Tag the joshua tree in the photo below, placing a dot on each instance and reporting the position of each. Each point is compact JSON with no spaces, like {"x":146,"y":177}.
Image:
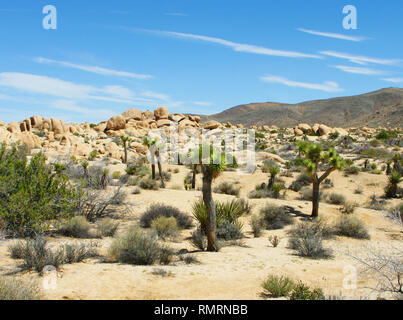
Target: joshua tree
{"x":211,"y":169}
{"x":388,"y":167}
{"x":125,"y":140}
{"x":396,"y":163}
{"x":148,"y":143}
{"x":157,"y":147}
{"x":394,"y":179}
{"x":314,"y":156}
{"x":274,"y":170}
{"x":85,"y":165}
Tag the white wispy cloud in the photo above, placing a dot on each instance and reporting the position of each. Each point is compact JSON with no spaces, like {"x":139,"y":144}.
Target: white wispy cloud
{"x":360,"y":59}
{"x":71,"y":106}
{"x":48,"y":86}
{"x":328,"y":86}
{"x":239,"y":47}
{"x":359,"y":70}
{"x":393,"y":80}
{"x":94,"y":69}
{"x":333,"y":35}
{"x":202,"y":103}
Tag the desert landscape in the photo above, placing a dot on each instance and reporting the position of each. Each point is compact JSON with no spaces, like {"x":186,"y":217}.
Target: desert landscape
{"x":113,"y":231}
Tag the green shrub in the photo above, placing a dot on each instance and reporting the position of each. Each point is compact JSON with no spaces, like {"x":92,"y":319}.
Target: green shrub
{"x":275,"y":286}
{"x":228,"y":231}
{"x":302,"y":180}
{"x":17,"y":290}
{"x":116,"y":175}
{"x":352,"y":170}
{"x":137,"y":170}
{"x":138,"y":248}
{"x":93,"y":155}
{"x":336,"y":198}
{"x":352,"y":227}
{"x":275,"y":217}
{"x":166,"y":227}
{"x":74,"y":253}
{"x":31,"y":194}
{"x":149,"y":184}
{"x":106,"y":227}
{"x":37,"y":255}
{"x":225,"y":211}
{"x":227,"y":188}
{"x":303,"y":292}
{"x":161,"y":210}
{"x":76,"y":227}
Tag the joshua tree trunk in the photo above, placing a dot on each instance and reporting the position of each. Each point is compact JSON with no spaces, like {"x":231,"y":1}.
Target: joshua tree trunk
{"x":315,"y":199}
{"x":271,"y":182}
{"x":210,"y":206}
{"x":194,"y":176}
{"x":388,"y":169}
{"x":125,"y":148}
{"x":152,"y":166}
{"x":160,"y":171}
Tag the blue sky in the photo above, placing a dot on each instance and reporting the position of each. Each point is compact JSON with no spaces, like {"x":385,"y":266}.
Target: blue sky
{"x":199,"y":56}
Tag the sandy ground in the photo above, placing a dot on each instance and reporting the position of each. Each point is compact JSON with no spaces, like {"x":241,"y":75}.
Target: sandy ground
{"x":236,"y":272}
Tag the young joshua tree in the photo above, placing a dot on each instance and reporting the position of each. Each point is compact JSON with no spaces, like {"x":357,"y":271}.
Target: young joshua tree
{"x":148,"y":143}
{"x":394,"y":179}
{"x":125,"y":140}
{"x":313,"y":157}
{"x":212,"y":165}
{"x":274,"y":170}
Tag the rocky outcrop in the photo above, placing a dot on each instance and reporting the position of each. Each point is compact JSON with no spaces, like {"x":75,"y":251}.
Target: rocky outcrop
{"x":161,"y":113}
{"x":116,"y":123}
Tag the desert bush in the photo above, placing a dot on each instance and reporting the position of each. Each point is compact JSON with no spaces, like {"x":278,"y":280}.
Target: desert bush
{"x":137,"y":170}
{"x":16,"y":249}
{"x":352,"y":170}
{"x":96,"y":177}
{"x":307,"y":193}
{"x":257,"y":225}
{"x":335,"y":198}
{"x":352,"y":227}
{"x":37,"y":255}
{"x":138,"y":248}
{"x":307,"y":239}
{"x":74,"y":253}
{"x":94,"y":205}
{"x":136,"y":190}
{"x":17,"y":290}
{"x":31,"y":193}
{"x":275,"y":217}
{"x":302,"y":180}
{"x":328,"y":184}
{"x":275,"y":241}
{"x":161,"y":210}
{"x":166,"y":227}
{"x":303,"y":292}
{"x":188,"y":259}
{"x":76,"y":227}
{"x":246,"y":206}
{"x":199,"y":239}
{"x":227,"y":188}
{"x":259,"y":194}
{"x":149,"y":184}
{"x":228,"y":231}
{"x":277,"y":286}
{"x":349,"y":207}
{"x":106,"y":227}
{"x":166,"y":175}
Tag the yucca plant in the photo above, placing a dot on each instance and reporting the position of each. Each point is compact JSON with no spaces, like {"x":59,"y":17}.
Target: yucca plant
{"x":394,"y":179}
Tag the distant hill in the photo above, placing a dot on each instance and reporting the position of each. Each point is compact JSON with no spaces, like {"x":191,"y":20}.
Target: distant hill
{"x":379,"y":108}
